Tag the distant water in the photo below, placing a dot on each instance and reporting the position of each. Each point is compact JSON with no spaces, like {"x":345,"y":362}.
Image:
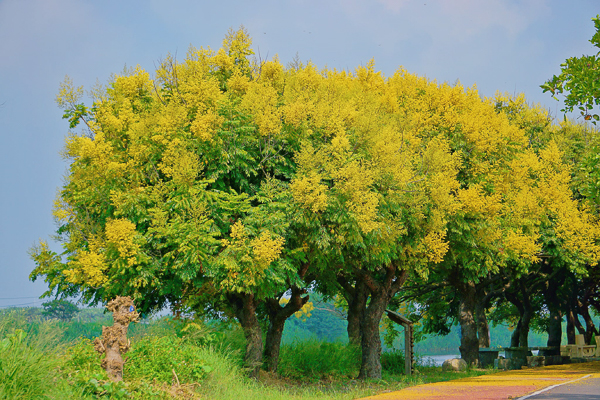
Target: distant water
{"x":438,"y":360}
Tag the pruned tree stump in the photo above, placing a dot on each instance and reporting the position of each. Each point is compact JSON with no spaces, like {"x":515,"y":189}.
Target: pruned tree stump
{"x":114,"y":342}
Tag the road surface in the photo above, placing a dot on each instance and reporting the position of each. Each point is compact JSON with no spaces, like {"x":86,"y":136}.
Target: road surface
{"x":571,"y":381}
{"x":586,"y":388}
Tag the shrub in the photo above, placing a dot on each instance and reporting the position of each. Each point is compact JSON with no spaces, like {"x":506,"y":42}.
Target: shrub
{"x":81,"y":356}
{"x":165,"y":359}
{"x":393,"y":362}
{"x":319,"y":360}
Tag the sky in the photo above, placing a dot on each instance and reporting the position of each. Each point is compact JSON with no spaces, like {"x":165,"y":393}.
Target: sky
{"x":507,"y":46}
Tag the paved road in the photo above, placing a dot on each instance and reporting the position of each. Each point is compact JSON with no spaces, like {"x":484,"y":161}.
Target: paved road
{"x":583,"y":389}
{"x":571,"y":381}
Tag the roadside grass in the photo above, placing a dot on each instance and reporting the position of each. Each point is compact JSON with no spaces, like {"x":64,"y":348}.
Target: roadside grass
{"x":314,"y":361}
{"x":49,"y":359}
{"x":30,"y":360}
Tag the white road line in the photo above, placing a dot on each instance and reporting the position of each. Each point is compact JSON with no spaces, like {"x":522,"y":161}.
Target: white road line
{"x":552,"y":387}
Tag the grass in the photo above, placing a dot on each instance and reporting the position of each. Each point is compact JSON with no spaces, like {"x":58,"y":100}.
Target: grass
{"x":313,"y":360}
{"x":41,"y":359}
{"x":30,"y":360}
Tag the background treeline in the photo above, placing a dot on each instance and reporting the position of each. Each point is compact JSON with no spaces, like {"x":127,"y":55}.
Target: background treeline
{"x":324,"y":323}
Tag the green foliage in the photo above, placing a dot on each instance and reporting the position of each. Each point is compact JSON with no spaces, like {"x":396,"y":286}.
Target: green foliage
{"x":60,"y":309}
{"x":163,"y":326}
{"x":27,"y":367}
{"x":81,"y":356}
{"x":392,"y":362}
{"x":314,"y":360}
{"x":164,"y":359}
{"x":103,"y":388}
{"x":83,"y":372}
{"x":54,"y":367}
{"x":589,"y":177}
{"x":76,"y":115}
{"x":324,"y":324}
{"x":579,"y":81}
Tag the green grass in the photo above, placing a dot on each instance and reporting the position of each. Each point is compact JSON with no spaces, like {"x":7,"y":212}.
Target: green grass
{"x":30,"y":360}
{"x":313,"y":360}
{"x":41,"y":359}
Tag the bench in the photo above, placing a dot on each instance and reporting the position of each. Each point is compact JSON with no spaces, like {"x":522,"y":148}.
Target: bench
{"x":517,"y":357}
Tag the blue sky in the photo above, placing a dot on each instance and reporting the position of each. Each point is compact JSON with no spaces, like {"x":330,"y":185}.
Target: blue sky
{"x":510,"y":46}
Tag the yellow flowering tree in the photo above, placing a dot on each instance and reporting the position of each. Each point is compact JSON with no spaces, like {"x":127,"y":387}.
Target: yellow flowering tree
{"x":509,"y":192}
{"x":372,"y":196}
{"x":521,"y":226}
{"x":176,"y":189}
{"x":569,"y":229}
{"x":221,"y":183}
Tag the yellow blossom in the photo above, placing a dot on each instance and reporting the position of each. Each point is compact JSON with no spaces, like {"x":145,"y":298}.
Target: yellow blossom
{"x":265,"y":249}
{"x":121,"y":233}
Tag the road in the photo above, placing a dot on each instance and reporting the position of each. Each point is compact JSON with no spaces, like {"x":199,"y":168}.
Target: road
{"x":571,"y":381}
{"x":586,"y":388}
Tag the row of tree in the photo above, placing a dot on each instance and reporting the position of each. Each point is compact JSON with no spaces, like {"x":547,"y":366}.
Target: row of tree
{"x":227,"y":187}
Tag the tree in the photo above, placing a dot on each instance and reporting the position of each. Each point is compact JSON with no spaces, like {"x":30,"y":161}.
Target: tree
{"x":176,"y":189}
{"x":516,"y":203}
{"x":60,"y":309}
{"x":373,"y":195}
{"x":579,"y":81}
{"x":566,"y":265}
{"x":492,"y":224}
{"x":223,"y":185}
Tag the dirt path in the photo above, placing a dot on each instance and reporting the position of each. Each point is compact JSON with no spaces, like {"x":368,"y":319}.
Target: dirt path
{"x":502,"y":385}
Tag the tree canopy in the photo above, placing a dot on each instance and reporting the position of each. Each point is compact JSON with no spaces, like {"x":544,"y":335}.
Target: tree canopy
{"x":228,"y":185}
{"x":579,"y":81}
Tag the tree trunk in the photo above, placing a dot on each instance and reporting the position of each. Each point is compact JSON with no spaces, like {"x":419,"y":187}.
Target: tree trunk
{"x":526,"y":316}
{"x":555,"y":330}
{"x":524,"y":331}
{"x":371,"y":341}
{"x":570,"y":327}
{"x":469,"y":343}
{"x":483,"y":327}
{"x":573,"y":313}
{"x":578,"y":324}
{"x":381,"y":294}
{"x":277,"y":317}
{"x":555,"y":323}
{"x":516,"y":335}
{"x":590,"y":327}
{"x":114,"y":342}
{"x":356,"y":309}
{"x":356,"y":297}
{"x":245,"y":308}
